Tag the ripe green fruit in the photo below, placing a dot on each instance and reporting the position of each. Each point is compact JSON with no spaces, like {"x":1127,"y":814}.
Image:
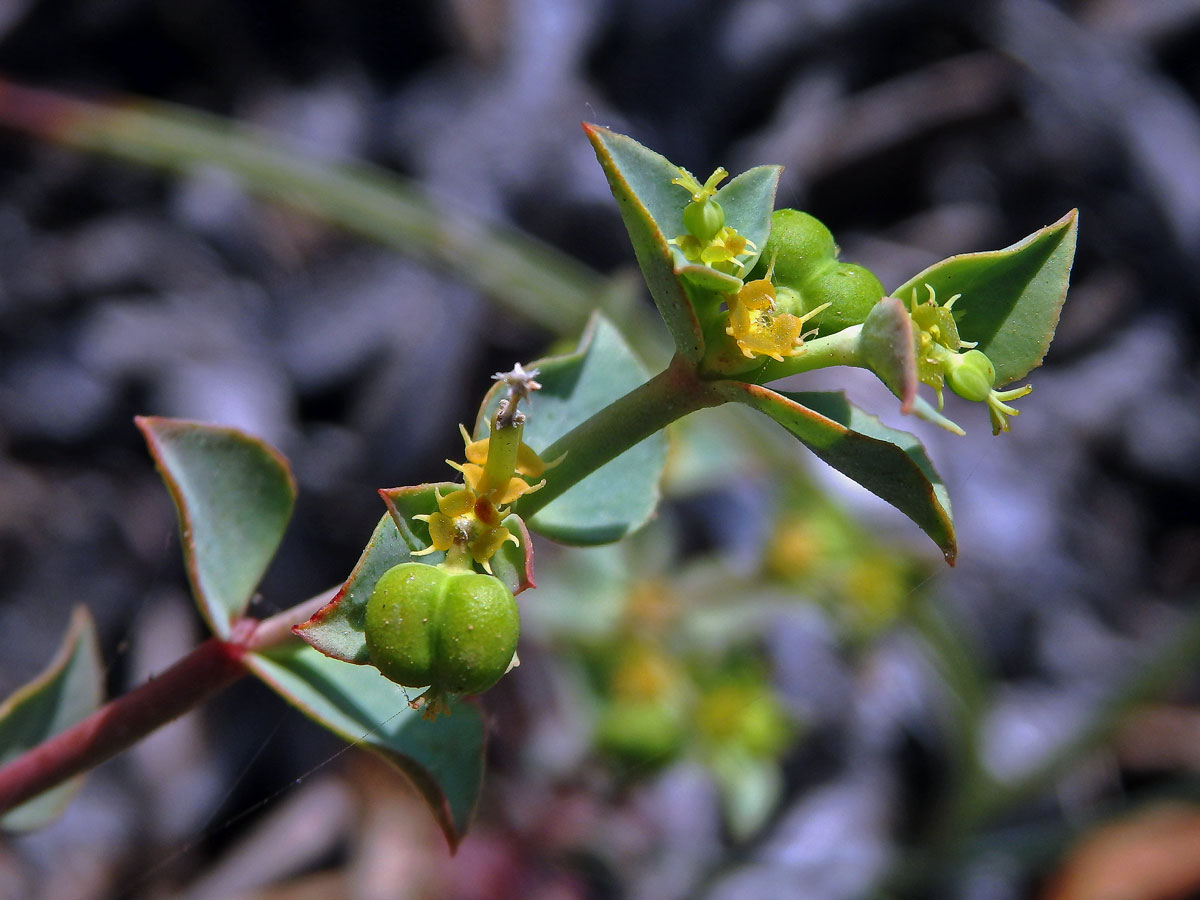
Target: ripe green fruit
{"x":971,"y":375}
{"x":453,"y":631}
{"x":851,"y":291}
{"x":801,"y":246}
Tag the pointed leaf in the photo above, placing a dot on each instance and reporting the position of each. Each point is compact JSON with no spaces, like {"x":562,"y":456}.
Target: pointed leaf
{"x":652,"y":209}
{"x":234,"y":495}
{"x":70,"y":688}
{"x":889,"y":350}
{"x":640,"y":180}
{"x":889,"y":463}
{"x":336,"y":629}
{"x":619,"y":497}
{"x":443,"y":757}
{"x":1011,"y":298}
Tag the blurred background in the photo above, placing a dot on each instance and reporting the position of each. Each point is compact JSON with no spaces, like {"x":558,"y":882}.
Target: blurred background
{"x":814,"y":666}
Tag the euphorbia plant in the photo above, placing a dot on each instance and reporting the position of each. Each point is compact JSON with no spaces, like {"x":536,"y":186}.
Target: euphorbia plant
{"x":571,"y":447}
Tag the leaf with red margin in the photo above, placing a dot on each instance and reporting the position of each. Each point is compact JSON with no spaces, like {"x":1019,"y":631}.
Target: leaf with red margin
{"x":637,"y":176}
{"x":336,"y":629}
{"x":890,"y":464}
{"x":889,"y":349}
{"x":443,"y":757}
{"x":66,"y":692}
{"x":234,"y":495}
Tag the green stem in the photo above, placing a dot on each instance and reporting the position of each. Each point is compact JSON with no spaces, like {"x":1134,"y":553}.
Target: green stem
{"x":841,"y":349}
{"x":624,"y":423}
{"x":504,"y":442}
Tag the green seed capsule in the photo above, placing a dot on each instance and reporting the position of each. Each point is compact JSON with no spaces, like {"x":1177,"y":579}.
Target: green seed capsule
{"x":478,"y":637}
{"x":453,"y":631}
{"x":801,"y":246}
{"x":971,"y":375}
{"x":851,"y":291}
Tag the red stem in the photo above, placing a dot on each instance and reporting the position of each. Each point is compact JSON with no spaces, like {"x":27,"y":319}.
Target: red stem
{"x":210,"y":668}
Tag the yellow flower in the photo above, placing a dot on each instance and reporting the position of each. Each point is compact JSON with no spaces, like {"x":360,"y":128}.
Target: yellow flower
{"x":759,"y":328}
{"x":722,"y":250}
{"x":765,"y":333}
{"x":708,"y":240}
{"x":940,"y":358}
{"x":468,"y":520}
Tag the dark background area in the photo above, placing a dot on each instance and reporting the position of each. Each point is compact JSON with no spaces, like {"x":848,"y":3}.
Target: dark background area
{"x":915,"y":130}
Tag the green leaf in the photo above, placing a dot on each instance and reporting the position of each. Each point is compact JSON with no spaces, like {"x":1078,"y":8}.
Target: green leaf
{"x":336,"y":629}
{"x":443,"y":757}
{"x":65,"y":693}
{"x":1011,"y":298}
{"x":748,"y":201}
{"x":620,"y":496}
{"x":640,"y":180}
{"x":889,"y":350}
{"x":652,"y":209}
{"x":234,"y":495}
{"x":889,"y":463}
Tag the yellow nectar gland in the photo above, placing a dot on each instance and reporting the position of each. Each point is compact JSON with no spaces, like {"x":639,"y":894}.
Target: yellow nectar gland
{"x":759,"y":328}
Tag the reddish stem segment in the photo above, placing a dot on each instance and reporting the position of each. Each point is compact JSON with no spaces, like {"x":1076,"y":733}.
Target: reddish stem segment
{"x":208,"y":669}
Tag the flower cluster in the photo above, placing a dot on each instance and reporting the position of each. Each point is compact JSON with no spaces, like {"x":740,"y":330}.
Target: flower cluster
{"x":708,"y":240}
{"x":469,"y":521}
{"x":941,"y":361}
